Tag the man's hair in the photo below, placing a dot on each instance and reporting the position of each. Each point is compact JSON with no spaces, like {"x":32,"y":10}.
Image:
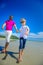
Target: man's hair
{"x":11,"y":17}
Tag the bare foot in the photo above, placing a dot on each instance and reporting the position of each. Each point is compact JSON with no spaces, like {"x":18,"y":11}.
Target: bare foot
{"x":3,"y":51}
{"x":19,"y":60}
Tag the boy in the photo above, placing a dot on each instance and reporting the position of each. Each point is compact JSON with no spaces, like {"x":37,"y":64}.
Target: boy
{"x":24,"y":30}
{"x":9,"y":25}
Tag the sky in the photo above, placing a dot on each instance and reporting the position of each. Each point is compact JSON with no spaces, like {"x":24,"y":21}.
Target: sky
{"x":31,"y":10}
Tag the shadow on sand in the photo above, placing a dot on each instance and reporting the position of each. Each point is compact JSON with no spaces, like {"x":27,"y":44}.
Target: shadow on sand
{"x":8,"y":52}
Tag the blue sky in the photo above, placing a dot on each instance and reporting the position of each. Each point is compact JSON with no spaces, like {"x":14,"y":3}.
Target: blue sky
{"x":32,"y":10}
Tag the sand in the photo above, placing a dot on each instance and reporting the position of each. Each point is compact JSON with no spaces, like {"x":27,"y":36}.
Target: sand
{"x":33,"y":53}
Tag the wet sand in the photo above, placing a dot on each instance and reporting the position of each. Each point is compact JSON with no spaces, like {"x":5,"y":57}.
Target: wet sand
{"x":33,"y":53}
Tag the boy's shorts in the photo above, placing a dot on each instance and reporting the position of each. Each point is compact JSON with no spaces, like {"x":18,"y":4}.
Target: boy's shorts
{"x":8,"y":35}
{"x":22,"y":43}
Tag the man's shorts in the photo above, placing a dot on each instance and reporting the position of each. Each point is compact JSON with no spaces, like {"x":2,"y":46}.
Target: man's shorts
{"x":22,"y":43}
{"x":8,"y":35}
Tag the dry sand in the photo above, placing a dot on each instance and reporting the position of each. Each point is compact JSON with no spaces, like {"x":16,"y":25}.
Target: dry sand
{"x":33,"y":53}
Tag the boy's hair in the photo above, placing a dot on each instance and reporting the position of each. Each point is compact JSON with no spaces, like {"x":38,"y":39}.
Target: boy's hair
{"x":23,"y":20}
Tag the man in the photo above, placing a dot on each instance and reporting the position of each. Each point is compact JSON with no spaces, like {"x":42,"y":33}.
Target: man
{"x":9,"y":25}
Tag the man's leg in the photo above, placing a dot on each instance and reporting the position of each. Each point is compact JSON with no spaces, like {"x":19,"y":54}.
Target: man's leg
{"x":8,"y":35}
{"x":6,"y":46}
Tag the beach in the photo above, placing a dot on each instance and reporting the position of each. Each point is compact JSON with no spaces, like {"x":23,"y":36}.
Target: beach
{"x":33,"y":53}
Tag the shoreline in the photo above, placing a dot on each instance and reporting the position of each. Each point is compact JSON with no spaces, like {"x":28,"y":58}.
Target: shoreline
{"x":27,"y":40}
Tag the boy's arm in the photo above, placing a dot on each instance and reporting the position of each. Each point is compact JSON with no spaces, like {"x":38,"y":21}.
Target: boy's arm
{"x":27,"y":31}
{"x":3,"y":25}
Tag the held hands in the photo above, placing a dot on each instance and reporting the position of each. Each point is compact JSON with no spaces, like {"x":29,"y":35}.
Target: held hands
{"x":2,"y":28}
{"x":17,"y":30}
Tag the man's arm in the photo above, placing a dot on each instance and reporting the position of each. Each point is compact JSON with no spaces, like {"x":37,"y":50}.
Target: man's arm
{"x":16,"y":28}
{"x":3,"y":25}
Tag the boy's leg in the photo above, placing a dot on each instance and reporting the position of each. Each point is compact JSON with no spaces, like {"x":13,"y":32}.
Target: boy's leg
{"x":20,"y":50}
{"x":20,"y":56}
{"x":24,"y":43}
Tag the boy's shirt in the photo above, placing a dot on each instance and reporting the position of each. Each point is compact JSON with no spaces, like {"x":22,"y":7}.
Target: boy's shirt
{"x":23,"y":30}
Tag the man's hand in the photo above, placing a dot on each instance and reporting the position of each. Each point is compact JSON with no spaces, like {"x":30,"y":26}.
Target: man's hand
{"x":3,"y":26}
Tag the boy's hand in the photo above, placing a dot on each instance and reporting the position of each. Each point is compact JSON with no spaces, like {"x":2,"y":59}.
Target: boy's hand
{"x":26,"y":33}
